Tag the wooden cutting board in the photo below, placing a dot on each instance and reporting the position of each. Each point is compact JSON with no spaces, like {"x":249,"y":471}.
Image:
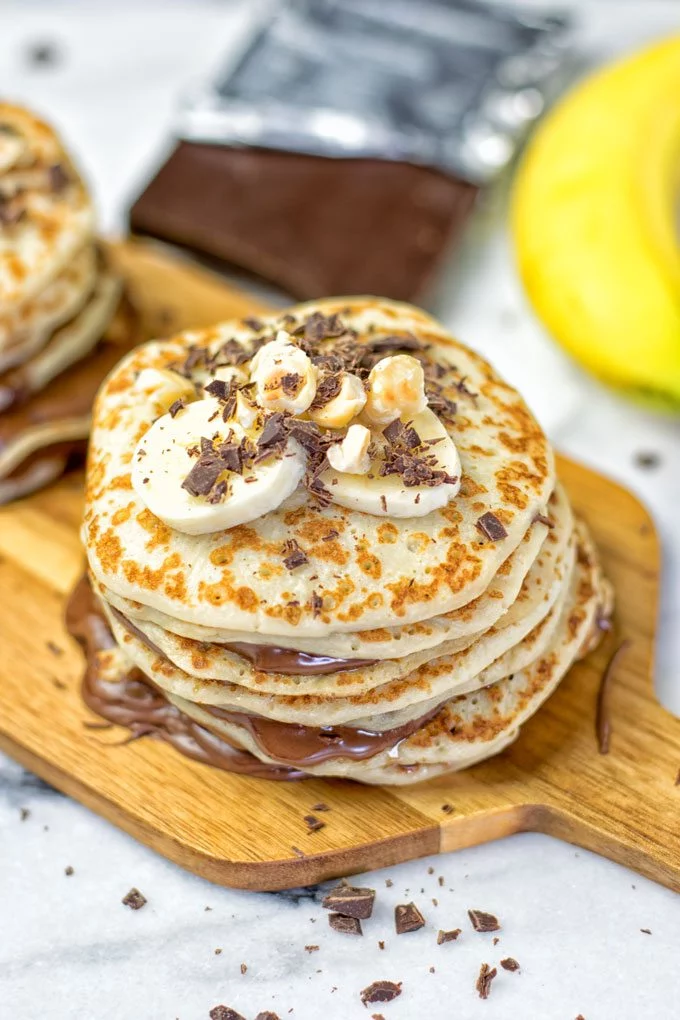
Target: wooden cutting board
{"x":251,"y":833}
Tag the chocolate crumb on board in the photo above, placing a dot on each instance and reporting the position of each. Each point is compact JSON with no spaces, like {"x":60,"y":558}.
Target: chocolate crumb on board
{"x":320,"y":807}
{"x":350,"y":901}
{"x":68,"y":870}
{"x":54,"y":648}
{"x":603,"y":724}
{"x":447,"y":809}
{"x":244,"y":968}
{"x":298,"y":852}
{"x":381,"y":991}
{"x":311,"y":949}
{"x":481,"y":921}
{"x":407,"y":918}
{"x":134,"y":899}
{"x":345,"y":925}
{"x":224,"y":1013}
{"x":313,"y":823}
{"x":491,"y":526}
{"x":509,"y":963}
{"x":447,"y":936}
{"x":484,"y":979}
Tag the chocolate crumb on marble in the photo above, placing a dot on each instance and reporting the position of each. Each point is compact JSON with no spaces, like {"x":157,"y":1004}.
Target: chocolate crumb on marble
{"x":509,"y":964}
{"x":407,"y":918}
{"x":24,"y":813}
{"x":311,"y":949}
{"x":447,"y":936}
{"x":267,"y":1015}
{"x":350,"y":901}
{"x":244,"y":968}
{"x":345,"y":925}
{"x":224,"y":1013}
{"x":134,"y":899}
{"x":381,"y":991}
{"x":645,"y":931}
{"x":381,"y":944}
{"x":218,"y":951}
{"x":482,"y":921}
{"x":495,"y":940}
{"x":484,"y":979}
{"x":68,"y":870}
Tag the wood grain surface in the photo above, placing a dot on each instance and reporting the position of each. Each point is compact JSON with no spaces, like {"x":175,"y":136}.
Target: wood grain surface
{"x":250,"y":833}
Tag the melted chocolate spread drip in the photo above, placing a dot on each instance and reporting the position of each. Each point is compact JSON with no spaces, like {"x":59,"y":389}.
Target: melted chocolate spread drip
{"x":135,"y":702}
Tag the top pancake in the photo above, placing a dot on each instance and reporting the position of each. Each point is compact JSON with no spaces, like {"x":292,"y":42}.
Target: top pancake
{"x":45,"y":211}
{"x":370,"y":571}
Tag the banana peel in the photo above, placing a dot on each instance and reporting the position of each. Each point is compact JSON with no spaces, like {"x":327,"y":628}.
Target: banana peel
{"x":593,"y":215}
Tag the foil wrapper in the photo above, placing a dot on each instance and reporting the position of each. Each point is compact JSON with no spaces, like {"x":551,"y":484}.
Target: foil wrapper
{"x":452,"y":84}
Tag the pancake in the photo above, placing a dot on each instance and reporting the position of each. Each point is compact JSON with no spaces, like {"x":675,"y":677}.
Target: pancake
{"x":47,"y":214}
{"x":368,"y":573}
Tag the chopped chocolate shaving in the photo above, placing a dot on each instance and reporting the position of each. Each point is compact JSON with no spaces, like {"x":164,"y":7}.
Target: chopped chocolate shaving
{"x":602,"y":719}
{"x":217,"y":494}
{"x":509,"y":964}
{"x":447,"y":936}
{"x":317,"y":604}
{"x":383,"y":503}
{"x":438,"y":401}
{"x":321,"y":807}
{"x":312,"y":949}
{"x":392,"y":432}
{"x":58,"y":177}
{"x":176,"y":407}
{"x":381,"y":991}
{"x":646,"y":931}
{"x":407,"y":918}
{"x":481,"y":921}
{"x":543,"y":519}
{"x":313,"y":823}
{"x":410,"y":438}
{"x":381,"y":944}
{"x":328,"y":361}
{"x":231,"y":353}
{"x":330,"y":535}
{"x":203,"y":474}
{"x":350,"y":901}
{"x":327,"y":389}
{"x":408,"y":342}
{"x":483,"y":983}
{"x":321,"y":327}
{"x":230,"y":455}
{"x":252,"y":322}
{"x":218,"y":388}
{"x":290,"y":383}
{"x":491,"y":526}
{"x":295,"y":556}
{"x":448,"y":809}
{"x":273,"y":431}
{"x":414,"y":470}
{"x":134,"y":899}
{"x":224,"y":1013}
{"x":345,"y":925}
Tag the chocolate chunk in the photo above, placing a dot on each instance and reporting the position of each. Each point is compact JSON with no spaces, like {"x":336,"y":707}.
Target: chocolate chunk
{"x":481,"y":921}
{"x":447,"y":936}
{"x":483,"y":983}
{"x":490,"y":526}
{"x":407,"y":918}
{"x":381,"y":991}
{"x":176,"y":407}
{"x":230,"y":455}
{"x":224,"y":1013}
{"x":267,"y":1015}
{"x":317,"y":604}
{"x":230,"y":353}
{"x":134,"y":899}
{"x":410,"y":438}
{"x":273,"y":431}
{"x":313,"y":823}
{"x":217,"y":494}
{"x":345,"y":925}
{"x":322,"y":327}
{"x":447,"y":809}
{"x":203,"y":475}
{"x":58,"y":177}
{"x":327,"y":390}
{"x":392,"y":432}
{"x":509,"y":963}
{"x":295,"y":556}
{"x":244,"y":968}
{"x":350,"y":901}
{"x":218,"y":388}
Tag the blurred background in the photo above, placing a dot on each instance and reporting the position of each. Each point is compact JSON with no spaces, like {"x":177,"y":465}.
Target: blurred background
{"x":557,"y":259}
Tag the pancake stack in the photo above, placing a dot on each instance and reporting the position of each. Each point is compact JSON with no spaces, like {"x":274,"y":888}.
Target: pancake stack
{"x":330,"y":543}
{"x":58,"y":300}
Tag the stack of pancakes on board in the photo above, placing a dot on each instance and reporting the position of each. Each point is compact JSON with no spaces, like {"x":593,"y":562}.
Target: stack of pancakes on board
{"x":384,"y":619}
{"x":64,"y":322}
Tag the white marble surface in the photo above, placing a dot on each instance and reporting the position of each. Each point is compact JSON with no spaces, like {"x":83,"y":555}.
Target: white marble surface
{"x":68,"y":948}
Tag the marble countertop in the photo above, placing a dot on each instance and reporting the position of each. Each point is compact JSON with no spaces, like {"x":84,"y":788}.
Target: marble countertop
{"x":575,"y":922}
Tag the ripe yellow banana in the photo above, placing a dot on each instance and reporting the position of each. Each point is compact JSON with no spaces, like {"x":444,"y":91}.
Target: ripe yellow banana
{"x":594,"y":223}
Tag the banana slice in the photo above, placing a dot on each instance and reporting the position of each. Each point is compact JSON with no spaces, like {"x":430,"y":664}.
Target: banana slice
{"x":163,"y":387}
{"x":387,"y":495}
{"x":169,"y":451}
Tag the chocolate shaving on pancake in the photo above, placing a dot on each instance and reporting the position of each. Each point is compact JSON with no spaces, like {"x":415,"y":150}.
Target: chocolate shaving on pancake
{"x":328,"y":388}
{"x":492,"y":527}
{"x":295,"y":556}
{"x":176,"y":407}
{"x":290,"y":383}
{"x":58,"y":178}
{"x":204,"y":473}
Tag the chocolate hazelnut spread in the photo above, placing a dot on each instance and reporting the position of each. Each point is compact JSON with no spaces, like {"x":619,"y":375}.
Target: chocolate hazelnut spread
{"x":272,"y":659}
{"x":136,"y":703}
